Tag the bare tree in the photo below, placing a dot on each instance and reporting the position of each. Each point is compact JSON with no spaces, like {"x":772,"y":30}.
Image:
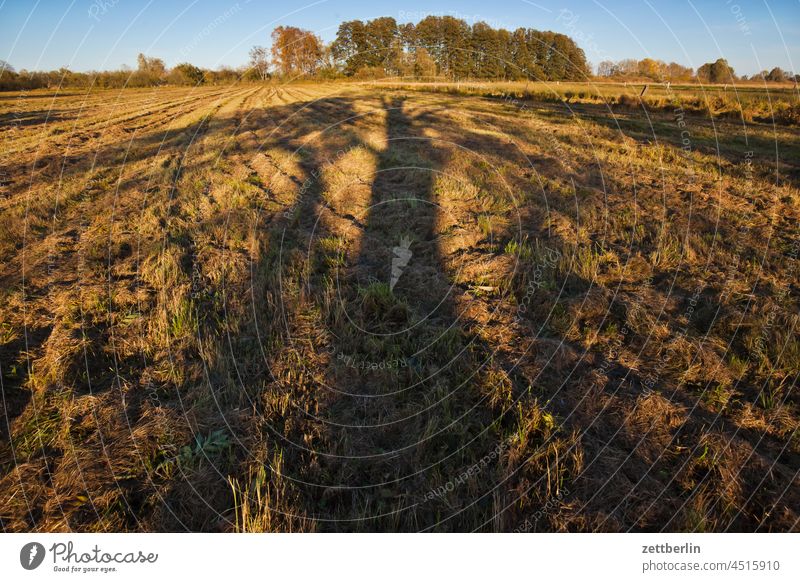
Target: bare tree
{"x":150,"y":70}
{"x":606,"y":69}
{"x":259,"y":62}
{"x":150,"y":65}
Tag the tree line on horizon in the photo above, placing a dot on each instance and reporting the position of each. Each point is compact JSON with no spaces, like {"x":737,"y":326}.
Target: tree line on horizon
{"x":437,"y":46}
{"x":150,"y":72}
{"x":717,"y":72}
{"x":441,"y":47}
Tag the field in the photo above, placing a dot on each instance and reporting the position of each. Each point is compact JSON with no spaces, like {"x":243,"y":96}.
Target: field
{"x":774,"y":103}
{"x":381,"y":307}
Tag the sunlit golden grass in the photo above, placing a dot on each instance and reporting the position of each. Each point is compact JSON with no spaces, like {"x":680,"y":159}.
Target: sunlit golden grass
{"x":745,"y":100}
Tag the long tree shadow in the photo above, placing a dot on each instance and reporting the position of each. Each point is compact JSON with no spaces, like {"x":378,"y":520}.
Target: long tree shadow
{"x":370,"y":456}
{"x":399,"y":405}
{"x":412,"y":404}
{"x":247,"y":338}
{"x":394,"y":403}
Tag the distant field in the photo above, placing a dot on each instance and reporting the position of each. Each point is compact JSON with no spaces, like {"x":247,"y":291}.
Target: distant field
{"x":397,"y":306}
{"x":778,"y":103}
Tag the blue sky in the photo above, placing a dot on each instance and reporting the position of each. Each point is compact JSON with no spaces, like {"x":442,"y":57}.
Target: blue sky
{"x":104,"y":34}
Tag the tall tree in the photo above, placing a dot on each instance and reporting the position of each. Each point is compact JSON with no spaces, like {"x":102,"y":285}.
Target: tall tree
{"x":651,"y":69}
{"x":676,"y":72}
{"x":381,"y":34}
{"x":722,"y":72}
{"x":606,"y":69}
{"x":150,"y":65}
{"x":150,"y":70}
{"x":455,"y":35}
{"x":350,"y":47}
{"x":776,"y":75}
{"x":428,"y":34}
{"x":521,"y":56}
{"x":309,"y":53}
{"x":505,"y":57}
{"x":424,"y":65}
{"x":485,"y":51}
{"x":296,"y":51}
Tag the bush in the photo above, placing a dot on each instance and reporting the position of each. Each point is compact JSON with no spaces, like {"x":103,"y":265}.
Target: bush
{"x":789,"y":115}
{"x":628,"y":101}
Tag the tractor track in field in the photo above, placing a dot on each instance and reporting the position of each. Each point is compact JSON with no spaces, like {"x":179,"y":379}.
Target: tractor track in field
{"x":171,"y":154}
{"x":88,"y":128}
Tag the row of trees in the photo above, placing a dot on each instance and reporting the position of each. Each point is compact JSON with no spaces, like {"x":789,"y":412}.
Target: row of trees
{"x":717,"y":72}
{"x":442,"y":46}
{"x":776,"y":75}
{"x":150,"y":72}
{"x":646,"y":68}
{"x":456,"y":49}
{"x":436,"y":46}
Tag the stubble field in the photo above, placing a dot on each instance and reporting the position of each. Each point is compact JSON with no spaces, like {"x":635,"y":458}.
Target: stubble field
{"x":347,"y":307}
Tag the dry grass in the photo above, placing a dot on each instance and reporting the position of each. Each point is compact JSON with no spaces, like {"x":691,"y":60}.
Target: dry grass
{"x":748,"y":101}
{"x":349,"y":308}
